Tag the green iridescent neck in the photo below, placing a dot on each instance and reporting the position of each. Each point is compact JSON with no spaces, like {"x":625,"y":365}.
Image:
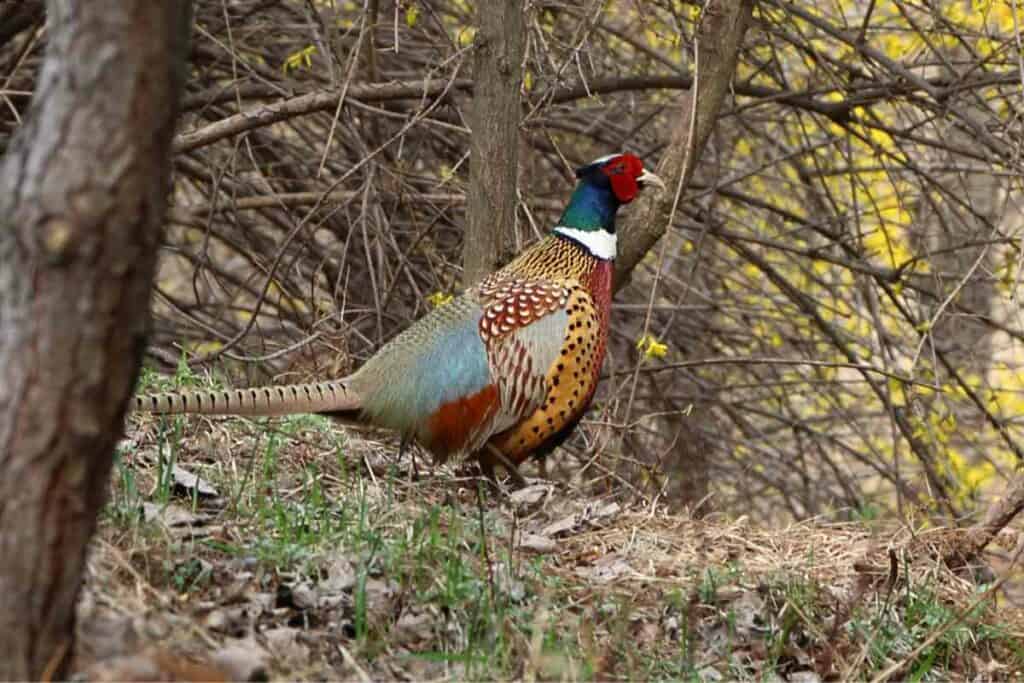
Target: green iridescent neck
{"x":590,"y":208}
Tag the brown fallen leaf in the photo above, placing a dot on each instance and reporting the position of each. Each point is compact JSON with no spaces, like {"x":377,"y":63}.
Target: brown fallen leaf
{"x":561,"y":526}
{"x":173,"y":515}
{"x":607,"y":568}
{"x":530,"y":495}
{"x":189,"y":484}
{"x":602,"y":511}
{"x":536,"y":543}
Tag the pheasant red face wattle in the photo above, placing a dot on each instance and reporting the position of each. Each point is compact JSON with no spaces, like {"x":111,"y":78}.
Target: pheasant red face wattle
{"x":624,"y":172}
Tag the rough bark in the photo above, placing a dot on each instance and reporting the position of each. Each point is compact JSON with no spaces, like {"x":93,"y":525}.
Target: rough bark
{"x":82,"y":196}
{"x":719,"y":37}
{"x":494,"y":116}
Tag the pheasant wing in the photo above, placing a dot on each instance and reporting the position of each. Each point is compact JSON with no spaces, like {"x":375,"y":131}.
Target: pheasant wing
{"x":523,"y":325}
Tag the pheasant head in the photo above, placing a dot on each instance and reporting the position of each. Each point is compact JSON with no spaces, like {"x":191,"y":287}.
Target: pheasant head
{"x":604,"y":185}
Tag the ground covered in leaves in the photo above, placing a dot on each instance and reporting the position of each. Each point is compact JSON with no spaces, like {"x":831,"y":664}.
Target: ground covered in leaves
{"x":291,"y":549}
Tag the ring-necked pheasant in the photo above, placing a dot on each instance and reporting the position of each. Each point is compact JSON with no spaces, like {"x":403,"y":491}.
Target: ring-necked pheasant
{"x":505,"y":370}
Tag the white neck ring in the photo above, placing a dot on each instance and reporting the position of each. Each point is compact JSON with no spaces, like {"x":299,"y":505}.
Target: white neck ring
{"x":600,"y":243}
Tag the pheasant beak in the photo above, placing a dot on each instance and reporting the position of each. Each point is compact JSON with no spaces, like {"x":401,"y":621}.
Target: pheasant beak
{"x":648,"y":178}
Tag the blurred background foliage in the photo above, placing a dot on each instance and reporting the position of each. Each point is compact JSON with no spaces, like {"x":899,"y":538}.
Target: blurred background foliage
{"x":831,"y":326}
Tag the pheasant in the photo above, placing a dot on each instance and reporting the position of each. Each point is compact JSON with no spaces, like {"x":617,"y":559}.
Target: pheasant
{"x":502,"y":372}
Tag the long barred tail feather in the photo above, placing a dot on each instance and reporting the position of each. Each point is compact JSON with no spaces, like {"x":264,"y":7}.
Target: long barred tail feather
{"x":324,"y":397}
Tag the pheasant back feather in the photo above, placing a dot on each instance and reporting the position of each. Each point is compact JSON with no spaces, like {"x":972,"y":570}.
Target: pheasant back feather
{"x":437,"y":361}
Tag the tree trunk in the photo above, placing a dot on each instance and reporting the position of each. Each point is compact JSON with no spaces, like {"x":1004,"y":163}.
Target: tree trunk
{"x":82,"y":197}
{"x":497,"y":80}
{"x":722,"y":27}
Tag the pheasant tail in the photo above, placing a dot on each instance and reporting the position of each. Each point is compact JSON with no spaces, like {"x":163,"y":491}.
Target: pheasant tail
{"x":323,"y":397}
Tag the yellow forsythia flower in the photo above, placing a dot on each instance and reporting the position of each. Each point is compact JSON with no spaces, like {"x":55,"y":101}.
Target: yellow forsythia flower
{"x":412,"y":15}
{"x":651,"y":347}
{"x":466,"y":35}
{"x":438,"y":299}
{"x":296,"y":60}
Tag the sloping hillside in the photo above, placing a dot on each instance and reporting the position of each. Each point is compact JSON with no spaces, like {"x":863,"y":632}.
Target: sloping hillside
{"x":293,"y":550}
